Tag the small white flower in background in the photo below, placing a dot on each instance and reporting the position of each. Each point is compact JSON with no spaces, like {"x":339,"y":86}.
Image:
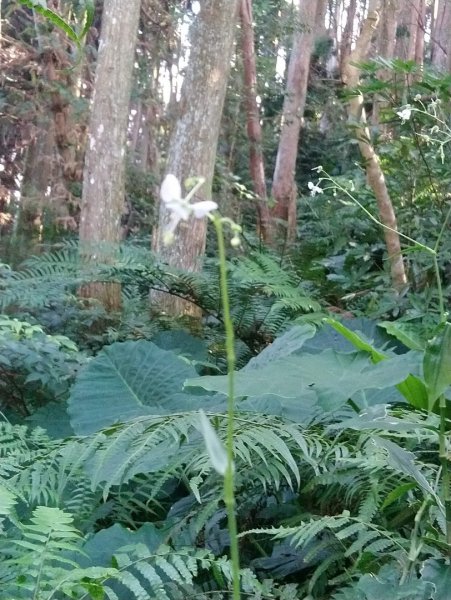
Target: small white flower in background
{"x":417,"y":98}
{"x":181,"y":209}
{"x":314,"y":189}
{"x":405,"y":113}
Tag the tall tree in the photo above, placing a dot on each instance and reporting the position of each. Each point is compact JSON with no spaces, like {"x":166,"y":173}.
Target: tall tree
{"x":103,"y":178}
{"x":406,"y":35}
{"x":348,"y":32}
{"x":254,"y":129}
{"x":284,"y":186}
{"x":192,"y":148}
{"x":375,"y":175}
{"x":441,"y":36}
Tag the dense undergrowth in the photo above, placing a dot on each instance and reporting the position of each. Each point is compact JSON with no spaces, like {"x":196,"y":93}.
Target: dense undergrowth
{"x":341,"y":425}
{"x":107,"y":489}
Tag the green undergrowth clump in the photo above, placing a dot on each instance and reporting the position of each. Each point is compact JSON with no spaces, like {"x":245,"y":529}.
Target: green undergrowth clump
{"x":110,"y":491}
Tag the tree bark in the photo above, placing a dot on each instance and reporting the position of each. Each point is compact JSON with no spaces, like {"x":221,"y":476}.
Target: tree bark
{"x":103,"y":177}
{"x":419,"y":41}
{"x":284,"y":187}
{"x":406,"y":34}
{"x":254,"y":130}
{"x":348,"y":33}
{"x":192,"y":149}
{"x":375,"y":175}
{"x":441,"y":37}
{"x":385,"y":48}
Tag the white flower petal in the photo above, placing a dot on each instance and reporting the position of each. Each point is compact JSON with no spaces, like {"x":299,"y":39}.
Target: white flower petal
{"x":204,"y":208}
{"x":314,"y":189}
{"x":405,"y":113}
{"x":215,"y":449}
{"x":170,"y":189}
{"x":181,"y":209}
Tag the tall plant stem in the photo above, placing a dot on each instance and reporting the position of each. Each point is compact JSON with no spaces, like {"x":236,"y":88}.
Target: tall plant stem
{"x":229,"y":491}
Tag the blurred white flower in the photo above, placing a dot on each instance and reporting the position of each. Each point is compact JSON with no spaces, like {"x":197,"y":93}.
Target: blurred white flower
{"x":180,"y":208}
{"x":404,"y":114}
{"x":203,"y":209}
{"x":170,"y":189}
{"x":314,"y":189}
{"x":215,"y":449}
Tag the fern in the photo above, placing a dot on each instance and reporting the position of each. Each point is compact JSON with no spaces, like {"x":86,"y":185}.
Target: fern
{"x":264,"y":296}
{"x":352,"y":534}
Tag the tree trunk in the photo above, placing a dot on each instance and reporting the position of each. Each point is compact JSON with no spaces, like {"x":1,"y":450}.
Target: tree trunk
{"x":103,"y":177}
{"x":407,"y":29}
{"x":441,"y":37}
{"x":419,"y":41}
{"x":375,"y":176}
{"x":284,"y":187}
{"x":254,"y":130}
{"x":192,"y":150}
{"x":348,"y":33}
{"x":386,"y":49}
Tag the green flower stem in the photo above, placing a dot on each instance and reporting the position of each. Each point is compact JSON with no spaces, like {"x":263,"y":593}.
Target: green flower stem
{"x":229,"y":491}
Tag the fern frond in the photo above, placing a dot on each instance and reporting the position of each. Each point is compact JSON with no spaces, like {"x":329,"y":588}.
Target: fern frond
{"x":343,"y":527}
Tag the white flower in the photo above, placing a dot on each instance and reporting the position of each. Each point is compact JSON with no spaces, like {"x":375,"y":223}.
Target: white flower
{"x":203,"y":209}
{"x":405,"y":113}
{"x":180,"y":208}
{"x":314,"y":189}
{"x":170,"y":190}
{"x":215,"y":449}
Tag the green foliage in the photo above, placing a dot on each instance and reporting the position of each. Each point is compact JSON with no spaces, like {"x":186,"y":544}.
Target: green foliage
{"x":265,"y":296}
{"x":127,"y":508}
{"x":40,"y":6}
{"x":34,"y":367}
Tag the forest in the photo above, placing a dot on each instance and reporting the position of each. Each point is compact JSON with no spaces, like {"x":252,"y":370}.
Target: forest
{"x":225,"y":281}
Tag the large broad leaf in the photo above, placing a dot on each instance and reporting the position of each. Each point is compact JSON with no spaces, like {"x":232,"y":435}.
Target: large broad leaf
{"x":365,"y":329}
{"x":335,"y":377}
{"x":408,"y":334}
{"x":375,"y":589}
{"x":358,"y":341}
{"x":288,"y":343}
{"x":413,"y":389}
{"x":301,"y":410}
{"x":99,"y":549}
{"x":53,"y":418}
{"x":124,"y":381}
{"x":438,"y":573}
{"x":437,"y":365}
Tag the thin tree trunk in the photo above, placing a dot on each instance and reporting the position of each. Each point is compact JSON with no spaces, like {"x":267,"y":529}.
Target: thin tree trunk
{"x":284,"y":187}
{"x":419,"y":43}
{"x":254,"y":130}
{"x":375,"y":175}
{"x":348,"y":33}
{"x":192,"y":150}
{"x":441,"y":37}
{"x":407,"y":29}
{"x":103,"y":178}
{"x":386,"y":49}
